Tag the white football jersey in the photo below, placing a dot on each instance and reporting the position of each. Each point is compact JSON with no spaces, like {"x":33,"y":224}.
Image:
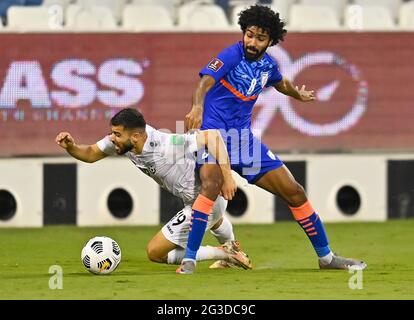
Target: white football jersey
{"x":169,"y":159}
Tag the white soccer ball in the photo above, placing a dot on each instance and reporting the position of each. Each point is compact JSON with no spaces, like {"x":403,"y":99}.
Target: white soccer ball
{"x":101,"y":255}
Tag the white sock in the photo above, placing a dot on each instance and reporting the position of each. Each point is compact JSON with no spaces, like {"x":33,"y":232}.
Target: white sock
{"x":175,"y":256}
{"x":210,"y":253}
{"x":325,"y":260}
{"x":224,"y":232}
{"x":204,"y":253}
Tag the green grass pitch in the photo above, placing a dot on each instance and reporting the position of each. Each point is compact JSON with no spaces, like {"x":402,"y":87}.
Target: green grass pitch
{"x":285,"y":265}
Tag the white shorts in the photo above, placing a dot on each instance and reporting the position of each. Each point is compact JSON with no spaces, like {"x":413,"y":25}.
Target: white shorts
{"x":176,"y":230}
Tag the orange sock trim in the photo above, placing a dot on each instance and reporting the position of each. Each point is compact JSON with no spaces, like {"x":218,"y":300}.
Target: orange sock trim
{"x":307,"y":225}
{"x":302,"y":222}
{"x":203,"y":204}
{"x":302,"y":212}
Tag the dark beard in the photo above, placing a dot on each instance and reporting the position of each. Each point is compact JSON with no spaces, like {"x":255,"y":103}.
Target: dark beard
{"x":251,"y":56}
{"x":125,"y":149}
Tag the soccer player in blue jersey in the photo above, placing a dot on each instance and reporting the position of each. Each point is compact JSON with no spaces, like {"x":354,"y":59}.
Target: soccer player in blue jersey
{"x":224,"y":98}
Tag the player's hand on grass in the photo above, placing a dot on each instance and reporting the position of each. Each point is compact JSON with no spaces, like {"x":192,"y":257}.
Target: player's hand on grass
{"x":305,"y":95}
{"x":193,"y":119}
{"x":229,"y":188}
{"x":65,"y":140}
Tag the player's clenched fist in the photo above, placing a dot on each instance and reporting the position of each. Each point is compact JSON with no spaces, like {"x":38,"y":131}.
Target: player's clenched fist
{"x":65,"y":140}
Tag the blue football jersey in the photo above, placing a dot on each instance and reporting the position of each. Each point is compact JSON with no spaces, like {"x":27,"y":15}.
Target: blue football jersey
{"x":239,"y":81}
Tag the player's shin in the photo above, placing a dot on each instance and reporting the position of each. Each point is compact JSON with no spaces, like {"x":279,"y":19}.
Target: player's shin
{"x":201,"y":210}
{"x":310,"y":222}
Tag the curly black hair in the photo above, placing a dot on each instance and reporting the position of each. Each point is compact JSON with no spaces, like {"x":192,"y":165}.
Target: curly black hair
{"x":265,"y":18}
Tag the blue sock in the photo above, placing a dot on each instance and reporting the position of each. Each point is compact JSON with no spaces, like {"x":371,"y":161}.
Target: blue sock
{"x":198,"y":228}
{"x":313,"y":227}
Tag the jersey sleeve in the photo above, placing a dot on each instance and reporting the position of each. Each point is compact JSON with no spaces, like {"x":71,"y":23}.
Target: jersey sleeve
{"x":106,"y":146}
{"x":275,"y":76}
{"x":219,"y":66}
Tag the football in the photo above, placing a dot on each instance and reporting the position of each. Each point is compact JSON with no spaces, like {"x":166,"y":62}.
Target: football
{"x":101,"y":255}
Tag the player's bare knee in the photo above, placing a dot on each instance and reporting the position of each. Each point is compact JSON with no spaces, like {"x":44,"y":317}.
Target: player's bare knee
{"x":211,"y":182}
{"x":212,"y":186}
{"x":211,"y":178}
{"x":152,"y":254}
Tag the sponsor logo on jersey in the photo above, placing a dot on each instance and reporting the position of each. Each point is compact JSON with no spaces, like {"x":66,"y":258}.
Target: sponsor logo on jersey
{"x":169,"y":229}
{"x":215,"y":64}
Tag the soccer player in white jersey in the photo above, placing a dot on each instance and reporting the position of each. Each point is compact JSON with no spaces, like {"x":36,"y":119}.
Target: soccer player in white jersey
{"x":171,"y":160}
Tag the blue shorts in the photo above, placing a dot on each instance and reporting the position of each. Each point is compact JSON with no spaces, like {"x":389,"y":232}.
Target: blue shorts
{"x":249,"y":157}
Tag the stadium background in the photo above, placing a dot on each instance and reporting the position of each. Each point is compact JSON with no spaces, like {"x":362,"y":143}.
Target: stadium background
{"x":352,"y":149}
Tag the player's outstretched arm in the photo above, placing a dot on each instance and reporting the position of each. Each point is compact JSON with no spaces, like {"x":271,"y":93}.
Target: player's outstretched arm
{"x":286,"y":87}
{"x":194,"y":118}
{"x":86,"y":153}
{"x":213,"y":141}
